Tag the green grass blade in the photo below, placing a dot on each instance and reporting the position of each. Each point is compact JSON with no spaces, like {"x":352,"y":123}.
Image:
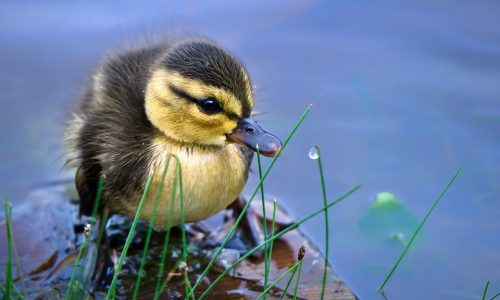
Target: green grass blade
{"x":17,"y":292}
{"x":11,"y":242}
{"x":183,"y":262}
{"x":485,"y":292}
{"x":296,"y":289}
{"x":8,"y":228}
{"x":419,"y":227}
{"x":14,"y":289}
{"x":276,"y":236}
{"x":183,"y":216}
{"x":271,"y":244}
{"x":245,"y":208}
{"x":188,"y":285}
{"x":291,"y":270}
{"x":267,"y":261}
{"x":102,"y":226}
{"x":70,"y":293}
{"x":19,"y":268}
{"x":327,"y":233}
{"x":160,"y":286}
{"x":100,"y":234}
{"x":112,"y":288}
{"x":288,"y":283}
{"x":159,"y":192}
{"x":183,"y":230}
{"x":98,"y":196}
{"x":492,"y":298}
{"x":300,"y":257}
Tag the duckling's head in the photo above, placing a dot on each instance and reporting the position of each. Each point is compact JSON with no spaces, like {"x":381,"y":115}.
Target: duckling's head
{"x":199,"y":94}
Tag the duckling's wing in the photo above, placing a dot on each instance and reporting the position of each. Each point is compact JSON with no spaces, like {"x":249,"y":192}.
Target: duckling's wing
{"x":86,"y":184}
{"x":111,"y":133}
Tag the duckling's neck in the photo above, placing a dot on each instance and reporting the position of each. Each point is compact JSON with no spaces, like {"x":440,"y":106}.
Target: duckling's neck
{"x":162,"y":142}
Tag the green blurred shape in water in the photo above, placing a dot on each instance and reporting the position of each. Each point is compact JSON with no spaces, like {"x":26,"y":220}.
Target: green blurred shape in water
{"x":388,"y":220}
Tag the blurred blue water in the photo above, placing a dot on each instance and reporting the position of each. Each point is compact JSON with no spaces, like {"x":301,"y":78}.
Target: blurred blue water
{"x":403,"y":94}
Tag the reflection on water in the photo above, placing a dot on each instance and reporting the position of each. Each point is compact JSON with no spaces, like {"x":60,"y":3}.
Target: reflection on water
{"x":403,"y":94}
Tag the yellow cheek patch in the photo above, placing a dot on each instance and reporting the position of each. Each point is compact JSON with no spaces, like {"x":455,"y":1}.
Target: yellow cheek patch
{"x":162,"y":78}
{"x":182,"y":120}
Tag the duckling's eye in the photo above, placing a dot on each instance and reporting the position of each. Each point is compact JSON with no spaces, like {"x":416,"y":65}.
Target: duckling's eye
{"x":209,"y":106}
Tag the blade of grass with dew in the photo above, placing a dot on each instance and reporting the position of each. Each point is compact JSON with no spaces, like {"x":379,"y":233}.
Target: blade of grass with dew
{"x":273,"y":237}
{"x":245,"y":208}
{"x":70,"y":293}
{"x":131,"y":233}
{"x":267,"y":261}
{"x":159,"y":192}
{"x":160,"y":286}
{"x":296,"y":289}
{"x":485,"y":292}
{"x":419,"y":227}
{"x":8,"y":280}
{"x":327,"y":233}
{"x":292,"y":269}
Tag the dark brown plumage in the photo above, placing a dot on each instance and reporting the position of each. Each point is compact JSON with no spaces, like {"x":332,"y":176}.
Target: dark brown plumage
{"x":145,"y":103}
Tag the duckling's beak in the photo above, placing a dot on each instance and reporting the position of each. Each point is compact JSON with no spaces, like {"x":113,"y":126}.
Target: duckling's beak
{"x":249,"y":134}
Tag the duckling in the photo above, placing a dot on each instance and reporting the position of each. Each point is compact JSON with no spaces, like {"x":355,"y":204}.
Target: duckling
{"x":190,"y":98}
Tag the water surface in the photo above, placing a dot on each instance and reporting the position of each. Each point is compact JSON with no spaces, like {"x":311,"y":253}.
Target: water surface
{"x":403,"y":94}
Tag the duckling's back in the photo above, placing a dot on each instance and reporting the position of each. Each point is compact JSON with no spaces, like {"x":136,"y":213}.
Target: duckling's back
{"x":110,"y":130}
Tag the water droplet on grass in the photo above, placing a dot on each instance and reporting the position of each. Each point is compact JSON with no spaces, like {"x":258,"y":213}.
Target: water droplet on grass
{"x":314,"y":152}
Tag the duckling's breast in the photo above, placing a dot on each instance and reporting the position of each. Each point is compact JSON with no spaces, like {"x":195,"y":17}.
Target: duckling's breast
{"x":211,"y":180}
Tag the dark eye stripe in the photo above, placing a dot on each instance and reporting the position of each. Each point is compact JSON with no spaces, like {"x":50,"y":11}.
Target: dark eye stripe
{"x":185,"y":95}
